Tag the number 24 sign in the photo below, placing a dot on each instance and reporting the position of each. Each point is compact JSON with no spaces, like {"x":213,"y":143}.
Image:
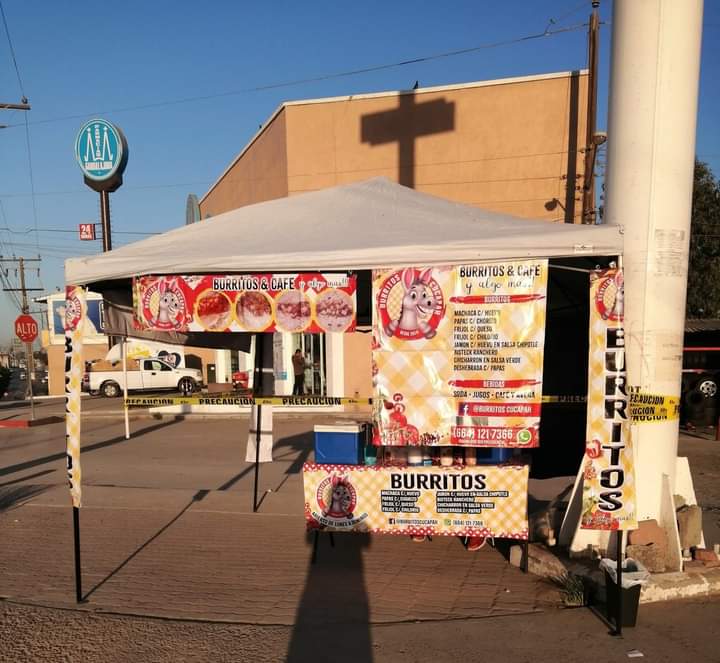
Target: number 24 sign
{"x":87,"y":231}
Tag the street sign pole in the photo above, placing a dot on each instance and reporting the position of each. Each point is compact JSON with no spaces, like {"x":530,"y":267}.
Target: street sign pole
{"x":29,"y":364}
{"x":101,"y":151}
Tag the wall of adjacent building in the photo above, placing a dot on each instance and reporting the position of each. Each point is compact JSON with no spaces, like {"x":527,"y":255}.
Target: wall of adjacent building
{"x":509,"y":147}
{"x":258,"y":174}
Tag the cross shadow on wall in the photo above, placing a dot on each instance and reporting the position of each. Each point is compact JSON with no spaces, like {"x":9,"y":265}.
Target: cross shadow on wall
{"x":403,"y":125}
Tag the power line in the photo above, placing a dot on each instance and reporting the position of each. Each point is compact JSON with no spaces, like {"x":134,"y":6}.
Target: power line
{"x":12,"y":52}
{"x":32,"y":177}
{"x":66,"y":230}
{"x":316,"y":79}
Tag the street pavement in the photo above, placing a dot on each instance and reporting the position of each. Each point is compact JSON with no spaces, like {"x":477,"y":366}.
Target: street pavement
{"x":168,"y":532}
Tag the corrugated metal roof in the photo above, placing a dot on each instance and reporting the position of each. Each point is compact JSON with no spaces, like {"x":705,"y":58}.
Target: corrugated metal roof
{"x":706,"y":325}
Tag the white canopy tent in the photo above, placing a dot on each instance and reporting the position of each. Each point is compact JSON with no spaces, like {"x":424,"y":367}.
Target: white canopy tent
{"x":362,"y":226}
{"x":366,"y":225}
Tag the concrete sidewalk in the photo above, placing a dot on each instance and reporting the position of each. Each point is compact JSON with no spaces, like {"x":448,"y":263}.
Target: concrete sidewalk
{"x":167,"y":529}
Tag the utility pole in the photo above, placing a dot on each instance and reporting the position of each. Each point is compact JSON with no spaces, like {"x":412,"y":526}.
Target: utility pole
{"x":652,"y":115}
{"x":23,"y":289}
{"x":588,"y":199}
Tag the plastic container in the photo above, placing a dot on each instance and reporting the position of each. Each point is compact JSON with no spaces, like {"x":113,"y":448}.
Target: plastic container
{"x":446,"y":456}
{"x":370,"y":454}
{"x":414,"y":456}
{"x":470,"y":456}
{"x":340,"y":444}
{"x":493,"y":455}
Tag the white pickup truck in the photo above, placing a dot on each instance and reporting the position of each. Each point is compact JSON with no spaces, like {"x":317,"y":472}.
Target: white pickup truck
{"x":151,"y":375}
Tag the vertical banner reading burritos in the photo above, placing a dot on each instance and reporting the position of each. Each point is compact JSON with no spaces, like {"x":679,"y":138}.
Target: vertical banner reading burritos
{"x":307,"y":302}
{"x":609,"y":493}
{"x":74,"y":326}
{"x":458,"y":354}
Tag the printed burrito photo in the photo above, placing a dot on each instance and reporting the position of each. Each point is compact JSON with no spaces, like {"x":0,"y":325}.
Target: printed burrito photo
{"x":253,"y":310}
{"x":293,"y":311}
{"x":334,"y":310}
{"x":213,"y":310}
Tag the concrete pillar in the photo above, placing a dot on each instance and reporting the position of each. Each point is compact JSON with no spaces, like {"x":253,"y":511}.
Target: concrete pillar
{"x":655,"y":65}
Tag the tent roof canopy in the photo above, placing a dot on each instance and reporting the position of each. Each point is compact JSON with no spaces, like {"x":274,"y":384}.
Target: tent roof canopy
{"x":371,"y":224}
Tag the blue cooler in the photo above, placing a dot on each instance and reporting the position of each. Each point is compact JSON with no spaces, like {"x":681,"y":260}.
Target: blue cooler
{"x":339,"y":444}
{"x":493,"y":455}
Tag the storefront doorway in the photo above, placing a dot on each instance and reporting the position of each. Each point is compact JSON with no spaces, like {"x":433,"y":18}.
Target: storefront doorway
{"x":313,"y":349}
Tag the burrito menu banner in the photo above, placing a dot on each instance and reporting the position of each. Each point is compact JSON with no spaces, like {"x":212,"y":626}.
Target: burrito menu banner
{"x":306,"y":302}
{"x":458,"y":354}
{"x":609,"y":492}
{"x":453,"y":501}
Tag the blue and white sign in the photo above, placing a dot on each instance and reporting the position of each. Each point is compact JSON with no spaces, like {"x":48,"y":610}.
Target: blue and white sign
{"x":100,"y":149}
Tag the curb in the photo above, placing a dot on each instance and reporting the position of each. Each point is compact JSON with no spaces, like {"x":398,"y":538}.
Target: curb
{"x":672,"y":586}
{"x":30,"y":423}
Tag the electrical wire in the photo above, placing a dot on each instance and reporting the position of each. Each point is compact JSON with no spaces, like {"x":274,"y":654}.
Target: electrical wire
{"x":66,"y":230}
{"x":316,"y":79}
{"x":12,"y":50}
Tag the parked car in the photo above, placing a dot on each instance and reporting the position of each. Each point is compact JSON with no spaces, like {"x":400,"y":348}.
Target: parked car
{"x":151,"y":375}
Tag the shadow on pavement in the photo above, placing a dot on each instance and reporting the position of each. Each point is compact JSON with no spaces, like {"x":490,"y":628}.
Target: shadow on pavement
{"x":334,"y":602}
{"x":200,"y":495}
{"x":19,"y":467}
{"x":29,"y":476}
{"x":300,"y":444}
{"x":16,"y":496}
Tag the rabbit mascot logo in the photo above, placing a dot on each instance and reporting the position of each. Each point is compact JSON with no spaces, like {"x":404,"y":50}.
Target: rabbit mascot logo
{"x":422,"y":304}
{"x":610,"y":295}
{"x":337,"y":497}
{"x":163,"y":304}
{"x":73,"y":309}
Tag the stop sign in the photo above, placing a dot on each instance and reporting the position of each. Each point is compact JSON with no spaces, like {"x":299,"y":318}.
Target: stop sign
{"x":26,"y":328}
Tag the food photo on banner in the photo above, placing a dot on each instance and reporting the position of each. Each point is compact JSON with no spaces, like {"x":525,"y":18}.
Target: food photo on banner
{"x":301,"y":302}
{"x":609,"y":491}
{"x":457,"y":354}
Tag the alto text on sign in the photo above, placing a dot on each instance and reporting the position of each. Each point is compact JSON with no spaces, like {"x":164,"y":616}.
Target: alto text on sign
{"x":26,"y":328}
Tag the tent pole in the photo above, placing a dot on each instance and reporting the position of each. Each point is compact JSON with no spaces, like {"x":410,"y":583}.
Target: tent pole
{"x":123,"y":351}
{"x":78,"y":569}
{"x":258,"y":434}
{"x":257,"y":388}
{"x":618,"y":606}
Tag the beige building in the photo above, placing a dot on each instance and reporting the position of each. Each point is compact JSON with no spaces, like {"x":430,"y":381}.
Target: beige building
{"x":513,"y":146}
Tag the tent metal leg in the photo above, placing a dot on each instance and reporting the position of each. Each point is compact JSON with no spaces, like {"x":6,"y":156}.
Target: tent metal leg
{"x":78,"y":568}
{"x":258,"y":434}
{"x":618,"y":606}
{"x":526,"y":555}
{"x":332,"y":539}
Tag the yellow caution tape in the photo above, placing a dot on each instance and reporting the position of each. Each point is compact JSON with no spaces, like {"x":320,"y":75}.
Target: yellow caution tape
{"x":649,"y":408}
{"x":158,"y":400}
{"x":234,"y":399}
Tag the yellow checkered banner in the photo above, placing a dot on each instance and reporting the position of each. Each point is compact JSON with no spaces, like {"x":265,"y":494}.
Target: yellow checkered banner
{"x":75,"y":312}
{"x":609,"y":491}
{"x":453,"y":501}
{"x":458,"y":354}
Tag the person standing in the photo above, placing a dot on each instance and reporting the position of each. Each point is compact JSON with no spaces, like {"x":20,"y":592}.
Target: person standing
{"x":298,"y":362}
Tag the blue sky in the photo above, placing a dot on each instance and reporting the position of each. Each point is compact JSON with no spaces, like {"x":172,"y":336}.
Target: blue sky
{"x":79,"y":59}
